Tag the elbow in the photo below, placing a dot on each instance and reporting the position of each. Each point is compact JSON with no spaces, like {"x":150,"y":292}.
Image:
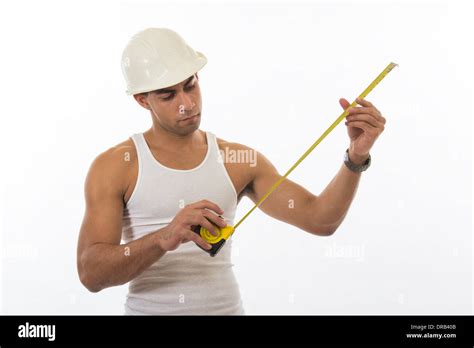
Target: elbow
{"x":320,"y":222}
{"x":324,"y":230}
{"x":324,"y":233}
{"x":86,"y":278}
{"x":88,"y":284}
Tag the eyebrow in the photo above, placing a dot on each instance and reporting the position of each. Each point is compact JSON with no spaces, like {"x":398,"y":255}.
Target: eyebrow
{"x":167,"y":90}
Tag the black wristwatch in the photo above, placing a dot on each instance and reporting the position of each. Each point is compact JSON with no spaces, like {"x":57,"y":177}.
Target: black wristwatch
{"x":358,"y":168}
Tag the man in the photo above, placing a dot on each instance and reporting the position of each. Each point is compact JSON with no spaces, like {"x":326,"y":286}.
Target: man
{"x":153,"y":189}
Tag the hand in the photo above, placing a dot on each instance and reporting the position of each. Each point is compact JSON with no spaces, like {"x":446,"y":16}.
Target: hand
{"x":180,"y":228}
{"x":364,"y":125}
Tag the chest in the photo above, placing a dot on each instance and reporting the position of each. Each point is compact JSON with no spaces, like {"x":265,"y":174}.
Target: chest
{"x":239,"y":173}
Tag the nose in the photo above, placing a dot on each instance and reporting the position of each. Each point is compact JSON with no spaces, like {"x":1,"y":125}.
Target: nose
{"x":186,"y":103}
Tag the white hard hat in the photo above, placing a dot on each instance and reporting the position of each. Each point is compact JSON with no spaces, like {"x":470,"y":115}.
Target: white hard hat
{"x":156,"y":58}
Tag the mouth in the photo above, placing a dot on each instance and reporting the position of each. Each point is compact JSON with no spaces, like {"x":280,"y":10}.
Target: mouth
{"x":191,"y":117}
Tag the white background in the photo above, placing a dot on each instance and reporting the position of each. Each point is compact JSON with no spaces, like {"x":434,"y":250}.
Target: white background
{"x":273,"y":80}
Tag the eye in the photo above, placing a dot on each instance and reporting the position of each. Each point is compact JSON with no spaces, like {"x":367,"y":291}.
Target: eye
{"x":188,"y":88}
{"x":168,"y":97}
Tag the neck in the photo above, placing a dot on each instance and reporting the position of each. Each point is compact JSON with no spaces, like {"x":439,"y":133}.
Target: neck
{"x":157,"y":136}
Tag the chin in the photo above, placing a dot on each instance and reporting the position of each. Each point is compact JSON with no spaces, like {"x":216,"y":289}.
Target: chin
{"x":189,"y":129}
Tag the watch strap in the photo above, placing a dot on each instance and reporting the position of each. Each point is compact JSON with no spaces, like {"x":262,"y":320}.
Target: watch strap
{"x":357,"y":168}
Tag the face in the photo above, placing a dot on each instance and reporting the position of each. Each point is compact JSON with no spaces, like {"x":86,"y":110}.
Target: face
{"x":174,"y":108}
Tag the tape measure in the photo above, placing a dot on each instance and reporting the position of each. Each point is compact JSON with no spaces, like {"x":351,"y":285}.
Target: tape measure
{"x":225,"y":233}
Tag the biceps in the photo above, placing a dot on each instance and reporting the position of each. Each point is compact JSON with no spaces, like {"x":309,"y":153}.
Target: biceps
{"x":102,"y":225}
{"x":102,"y":221}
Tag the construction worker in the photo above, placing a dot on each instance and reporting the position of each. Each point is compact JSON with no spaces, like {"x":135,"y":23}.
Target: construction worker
{"x":153,"y":189}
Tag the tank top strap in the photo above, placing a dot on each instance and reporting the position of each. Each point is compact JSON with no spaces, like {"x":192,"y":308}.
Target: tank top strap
{"x":214,"y":152}
{"x":145,"y":157}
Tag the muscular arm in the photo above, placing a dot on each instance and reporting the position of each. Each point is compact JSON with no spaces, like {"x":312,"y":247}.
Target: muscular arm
{"x":293,"y":204}
{"x":334,"y":202}
{"x":101,"y":260}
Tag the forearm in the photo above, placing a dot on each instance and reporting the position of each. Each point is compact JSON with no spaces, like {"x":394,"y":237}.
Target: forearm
{"x":104,"y":265}
{"x":332,"y":205}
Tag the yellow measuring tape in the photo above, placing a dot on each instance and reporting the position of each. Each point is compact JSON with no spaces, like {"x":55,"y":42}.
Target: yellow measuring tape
{"x":224,"y":233}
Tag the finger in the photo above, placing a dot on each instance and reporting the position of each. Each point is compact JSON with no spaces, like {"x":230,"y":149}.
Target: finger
{"x":364,"y":126}
{"x":200,"y":220}
{"x":367,"y":118}
{"x":364,"y":102}
{"x":198,"y":240}
{"x":365,"y":110}
{"x":344,"y":103}
{"x":216,"y":219}
{"x":209,"y":205}
{"x":210,"y":227}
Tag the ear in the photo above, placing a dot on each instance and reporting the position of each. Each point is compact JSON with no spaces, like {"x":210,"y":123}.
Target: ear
{"x":141,"y":99}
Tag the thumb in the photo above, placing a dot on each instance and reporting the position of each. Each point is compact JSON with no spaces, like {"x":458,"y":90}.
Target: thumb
{"x":344,"y":103}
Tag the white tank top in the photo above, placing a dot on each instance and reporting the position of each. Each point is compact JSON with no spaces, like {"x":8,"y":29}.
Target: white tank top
{"x":186,"y":280}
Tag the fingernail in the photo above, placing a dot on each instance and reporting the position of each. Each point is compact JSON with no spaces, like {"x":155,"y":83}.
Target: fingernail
{"x":209,"y":246}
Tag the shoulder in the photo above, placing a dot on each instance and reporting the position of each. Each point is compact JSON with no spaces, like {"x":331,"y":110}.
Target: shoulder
{"x":225,"y":144}
{"x":116,"y":157}
{"x":257,"y":163}
{"x":111,"y":169}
